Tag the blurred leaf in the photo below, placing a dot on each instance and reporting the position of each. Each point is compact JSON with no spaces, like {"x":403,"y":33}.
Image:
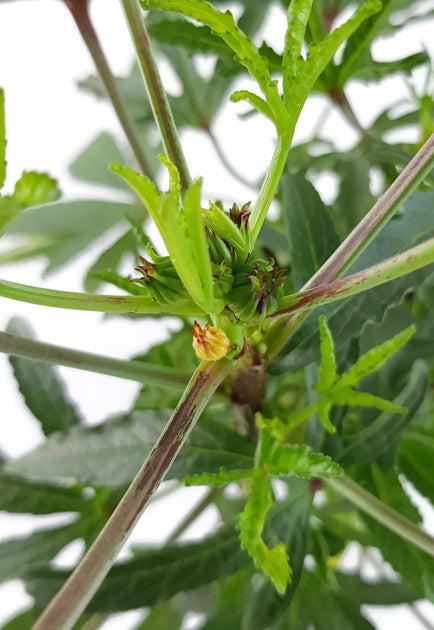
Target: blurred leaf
{"x":378,"y":70}
{"x":74,"y":225}
{"x":161,"y":617}
{"x":346,"y":319}
{"x":2,"y":139}
{"x":384,"y":431}
{"x":379,"y":593}
{"x":153,"y":576}
{"x":92,"y":165}
{"x":110,"y":259}
{"x":310,"y":232}
{"x":9,"y":208}
{"x":23,"y":621}
{"x":18,"y":495}
{"x":416,"y":455}
{"x":17,"y":555}
{"x":174,"y":352}
{"x":43,"y":389}
{"x":111,"y":454}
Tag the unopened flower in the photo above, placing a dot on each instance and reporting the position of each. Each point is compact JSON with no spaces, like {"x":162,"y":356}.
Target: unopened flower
{"x":209,"y":343}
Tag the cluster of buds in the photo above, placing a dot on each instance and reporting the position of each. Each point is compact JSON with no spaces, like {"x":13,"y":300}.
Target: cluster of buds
{"x":160,"y":278}
{"x":257,"y":290}
{"x":209,"y":343}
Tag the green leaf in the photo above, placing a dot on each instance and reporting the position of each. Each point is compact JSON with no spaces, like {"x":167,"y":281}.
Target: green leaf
{"x":322,"y":53}
{"x":415,"y":457}
{"x":112,"y":453}
{"x":34,"y":189}
{"x":178,"y":32}
{"x":20,"y":496}
{"x":220,"y":478}
{"x":302,"y":461}
{"x":360,"y":41}
{"x":71,"y":225}
{"x":264,"y":606}
{"x":378,"y":593}
{"x":298,"y":16}
{"x":378,"y":70}
{"x":274,"y":562}
{"x":153,"y":576}
{"x":92,"y":165}
{"x":375,"y":358}
{"x":310,"y":232}
{"x":162,"y":617}
{"x":42,"y":387}
{"x":224,"y":26}
{"x":384,"y":431}
{"x":2,"y":139}
{"x":17,"y":555}
{"x":9,"y":208}
{"x":327,"y":368}
{"x":347,"y":319}
{"x":175,"y":352}
{"x":23,"y":621}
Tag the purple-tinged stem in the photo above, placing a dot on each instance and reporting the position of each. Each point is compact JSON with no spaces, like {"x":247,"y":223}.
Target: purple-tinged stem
{"x":374,"y":276}
{"x":72,"y":599}
{"x":80,"y":12}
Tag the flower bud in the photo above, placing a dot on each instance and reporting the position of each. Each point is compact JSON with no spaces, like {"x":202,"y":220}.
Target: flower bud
{"x":209,"y":343}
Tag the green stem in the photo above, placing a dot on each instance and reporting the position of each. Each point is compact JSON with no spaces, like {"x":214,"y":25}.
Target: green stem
{"x":148,"y":373}
{"x":382,"y":513}
{"x":154,"y":87}
{"x":390,"y":269}
{"x":66,"y":607}
{"x":270,"y":183}
{"x":88,"y":302}
{"x":80,"y":13}
{"x":356,"y":242}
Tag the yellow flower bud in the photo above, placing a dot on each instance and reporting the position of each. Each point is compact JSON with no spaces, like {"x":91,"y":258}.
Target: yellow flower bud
{"x":209,"y":343}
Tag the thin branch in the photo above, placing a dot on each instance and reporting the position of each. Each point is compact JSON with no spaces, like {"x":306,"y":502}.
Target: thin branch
{"x":66,"y":607}
{"x":148,"y":373}
{"x":89,"y":302}
{"x":80,"y":12}
{"x":382,"y":513}
{"x":197,"y":510}
{"x":357,"y":241}
{"x":390,"y":269}
{"x":156,"y":93}
{"x":224,"y":160}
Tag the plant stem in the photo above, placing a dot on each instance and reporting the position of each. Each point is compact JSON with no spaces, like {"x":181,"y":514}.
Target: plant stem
{"x":390,"y":269}
{"x":356,"y":242}
{"x":193,"y":515}
{"x":154,"y":87}
{"x":80,"y":12}
{"x":382,"y":513}
{"x":66,"y":607}
{"x":148,"y":373}
{"x":89,"y":302}
{"x":270,"y":183}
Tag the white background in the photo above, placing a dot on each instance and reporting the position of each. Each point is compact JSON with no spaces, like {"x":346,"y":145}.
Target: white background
{"x":48,"y":123}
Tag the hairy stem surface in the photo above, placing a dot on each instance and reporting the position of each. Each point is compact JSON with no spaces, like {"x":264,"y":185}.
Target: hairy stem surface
{"x":80,"y":13}
{"x":154,"y":87}
{"x":66,"y":607}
